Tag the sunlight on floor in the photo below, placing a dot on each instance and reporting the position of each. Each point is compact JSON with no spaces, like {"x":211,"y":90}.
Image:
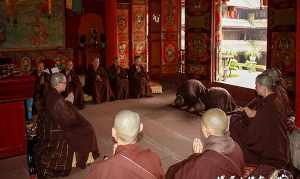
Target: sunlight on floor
{"x":244,"y":78}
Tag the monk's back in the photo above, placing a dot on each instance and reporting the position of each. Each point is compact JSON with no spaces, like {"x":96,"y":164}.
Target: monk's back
{"x":129,"y":162}
{"x":211,"y":165}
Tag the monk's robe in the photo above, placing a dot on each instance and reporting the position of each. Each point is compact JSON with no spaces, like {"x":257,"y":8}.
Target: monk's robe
{"x":221,"y":157}
{"x":192,"y":91}
{"x":97,"y":85}
{"x":217,"y":97}
{"x":42,"y":84}
{"x":118,"y":77}
{"x":61,"y":132}
{"x":264,"y":139}
{"x":139,"y":82}
{"x":129,"y":161}
{"x":74,"y":85}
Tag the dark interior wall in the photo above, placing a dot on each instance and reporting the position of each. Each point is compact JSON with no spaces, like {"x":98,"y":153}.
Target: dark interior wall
{"x":282,"y":16}
{"x":73,"y":20}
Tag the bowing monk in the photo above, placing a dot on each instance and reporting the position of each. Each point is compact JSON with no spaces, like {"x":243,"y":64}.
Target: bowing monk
{"x":262,"y":132}
{"x":129,"y":160}
{"x":139,"y":79}
{"x":195,"y":97}
{"x":62,"y":132}
{"x":97,"y":83}
{"x":42,"y":84}
{"x":217,"y":156}
{"x":118,"y":77}
{"x":74,"y":85}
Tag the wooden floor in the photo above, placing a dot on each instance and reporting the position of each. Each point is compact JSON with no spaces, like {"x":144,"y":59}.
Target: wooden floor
{"x":167,"y":131}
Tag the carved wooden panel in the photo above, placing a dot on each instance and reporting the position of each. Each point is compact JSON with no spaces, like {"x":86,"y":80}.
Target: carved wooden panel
{"x":123,"y":35}
{"x":198,"y":38}
{"x":138,"y":25}
{"x":170,"y":35}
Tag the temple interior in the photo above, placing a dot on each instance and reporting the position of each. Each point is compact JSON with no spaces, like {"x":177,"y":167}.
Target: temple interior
{"x":67,"y":63}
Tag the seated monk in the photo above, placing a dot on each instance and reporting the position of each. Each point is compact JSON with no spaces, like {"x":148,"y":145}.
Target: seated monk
{"x":73,"y":85}
{"x":62,"y":132}
{"x":139,"y":80}
{"x":42,"y":84}
{"x":195,"y":97}
{"x":262,"y":132}
{"x":217,"y":156}
{"x":119,"y":80}
{"x":97,"y":83}
{"x":129,"y":160}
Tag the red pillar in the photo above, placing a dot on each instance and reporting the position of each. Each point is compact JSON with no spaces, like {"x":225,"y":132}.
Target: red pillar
{"x":110,"y":30}
{"x":298,"y":67}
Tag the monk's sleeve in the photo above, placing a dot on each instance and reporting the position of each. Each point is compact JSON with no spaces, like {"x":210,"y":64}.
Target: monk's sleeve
{"x":94,"y":173}
{"x":259,"y":129}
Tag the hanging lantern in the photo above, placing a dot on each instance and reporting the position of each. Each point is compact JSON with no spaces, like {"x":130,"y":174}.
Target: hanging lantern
{"x":69,"y":4}
{"x":50,"y":7}
{"x":224,"y":1}
{"x":10,"y":8}
{"x":231,"y":12}
{"x":263,"y":2}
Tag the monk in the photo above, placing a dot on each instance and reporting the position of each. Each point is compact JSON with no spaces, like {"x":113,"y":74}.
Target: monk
{"x":188,"y":94}
{"x":139,"y":80}
{"x":129,"y":160}
{"x":193,"y":96}
{"x":218,"y":155}
{"x":262,"y":132}
{"x":97,"y":83}
{"x":62,"y":131}
{"x":42,"y":84}
{"x":119,"y":80}
{"x":73,"y":85}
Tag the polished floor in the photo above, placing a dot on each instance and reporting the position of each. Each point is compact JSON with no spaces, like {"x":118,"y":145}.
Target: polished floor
{"x":167,"y":131}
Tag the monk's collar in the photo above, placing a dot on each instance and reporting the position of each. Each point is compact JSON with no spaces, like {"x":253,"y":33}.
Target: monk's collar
{"x":220,"y":144}
{"x":270,"y":97}
{"x":129,"y":147}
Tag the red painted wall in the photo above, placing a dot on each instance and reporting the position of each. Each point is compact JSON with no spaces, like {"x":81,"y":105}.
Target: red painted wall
{"x":110,"y":30}
{"x":298,"y":67}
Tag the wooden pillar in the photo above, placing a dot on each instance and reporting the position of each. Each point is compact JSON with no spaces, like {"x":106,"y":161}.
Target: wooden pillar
{"x":298,"y":67}
{"x":110,"y":30}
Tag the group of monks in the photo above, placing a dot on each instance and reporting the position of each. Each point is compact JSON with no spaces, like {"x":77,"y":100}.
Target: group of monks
{"x":116,"y":82}
{"x":251,"y":141}
{"x":113,"y":83}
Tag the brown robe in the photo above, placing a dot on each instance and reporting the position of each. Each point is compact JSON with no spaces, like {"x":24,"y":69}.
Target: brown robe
{"x":42,"y":84}
{"x":221,"y":157}
{"x":119,"y":81}
{"x":264,"y":139}
{"x":97,"y":85}
{"x":130,"y":161}
{"x":217,"y":97}
{"x":62,"y":131}
{"x":191,"y":90}
{"x":74,"y":85}
{"x":139,"y":82}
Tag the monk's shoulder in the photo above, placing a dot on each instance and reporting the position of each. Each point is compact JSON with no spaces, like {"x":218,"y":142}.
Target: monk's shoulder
{"x":105,"y":164}
{"x":149,"y":154}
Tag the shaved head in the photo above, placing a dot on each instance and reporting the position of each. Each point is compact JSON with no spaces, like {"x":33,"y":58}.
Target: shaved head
{"x":127,"y":125}
{"x":216,"y":120}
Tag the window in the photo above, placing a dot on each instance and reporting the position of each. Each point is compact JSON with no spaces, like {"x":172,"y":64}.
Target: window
{"x":243,"y":44}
